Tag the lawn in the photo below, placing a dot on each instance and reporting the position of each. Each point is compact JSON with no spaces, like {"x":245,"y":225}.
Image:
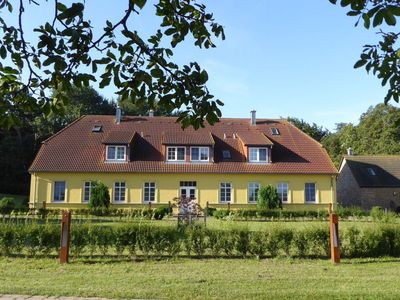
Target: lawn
{"x":203,"y":279}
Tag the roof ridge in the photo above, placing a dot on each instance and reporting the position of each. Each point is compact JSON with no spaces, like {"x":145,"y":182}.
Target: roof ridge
{"x":63,"y":129}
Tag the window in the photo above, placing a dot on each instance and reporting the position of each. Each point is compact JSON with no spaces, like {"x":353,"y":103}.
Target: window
{"x":87,"y":191}
{"x":258,"y":154}
{"x":149,"y":192}
{"x":188,"y":183}
{"x":176,"y":153}
{"x":116,"y":153}
{"x":96,"y":128}
{"x":371,"y":172}
{"x":282,"y":189}
{"x":199,"y":153}
{"x":59,"y":191}
{"x":226,"y":154}
{"x":309,"y":189}
{"x":119,"y":191}
{"x":275,"y":131}
{"x":225,"y":192}
{"x":253,"y":191}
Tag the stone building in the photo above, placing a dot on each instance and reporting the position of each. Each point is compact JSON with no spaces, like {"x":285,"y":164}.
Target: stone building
{"x":368,"y":181}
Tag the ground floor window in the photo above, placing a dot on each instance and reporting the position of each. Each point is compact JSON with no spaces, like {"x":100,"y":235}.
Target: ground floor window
{"x":119,"y":191}
{"x":310,"y":192}
{"x":225,"y":194}
{"x":87,"y":191}
{"x":59,"y":191}
{"x":253,"y":191}
{"x":149,"y":194}
{"x":283,"y":189}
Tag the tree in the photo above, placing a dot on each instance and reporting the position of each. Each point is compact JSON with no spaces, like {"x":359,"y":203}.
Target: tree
{"x":139,"y":69}
{"x":268,"y":198}
{"x":377,"y":133}
{"x":135,"y":108}
{"x":382,"y":58}
{"x":100,"y":196}
{"x":313,"y":130}
{"x":78,"y":102}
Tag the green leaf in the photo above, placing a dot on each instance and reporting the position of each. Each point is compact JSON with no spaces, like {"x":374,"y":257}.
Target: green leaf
{"x":360,"y":63}
{"x":390,"y":19}
{"x":378,"y":18}
{"x":140,"y":3}
{"x":367,"y":21}
{"x":157,"y":73}
{"x":3,"y":52}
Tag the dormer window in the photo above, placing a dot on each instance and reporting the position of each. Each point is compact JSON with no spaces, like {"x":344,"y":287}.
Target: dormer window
{"x":226,"y":154}
{"x":176,"y":153}
{"x":116,"y":153}
{"x":258,"y":155}
{"x":199,"y":154}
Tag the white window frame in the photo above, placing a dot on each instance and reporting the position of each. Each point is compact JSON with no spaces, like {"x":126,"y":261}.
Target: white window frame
{"x":250,"y":186}
{"x":225,"y":188}
{"x":115,"y":153}
{"x":176,"y":153}
{"x":149,"y":188}
{"x":54,"y":192}
{"x":200,"y":150}
{"x":84,"y":191}
{"x":305,"y":192}
{"x":119,"y":193}
{"x":287,"y":191}
{"x":257,"y":160}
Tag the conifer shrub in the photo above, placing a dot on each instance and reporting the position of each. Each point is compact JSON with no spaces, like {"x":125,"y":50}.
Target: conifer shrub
{"x":100,"y":196}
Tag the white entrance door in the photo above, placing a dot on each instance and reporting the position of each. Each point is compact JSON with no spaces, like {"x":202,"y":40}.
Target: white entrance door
{"x":188,"y":191}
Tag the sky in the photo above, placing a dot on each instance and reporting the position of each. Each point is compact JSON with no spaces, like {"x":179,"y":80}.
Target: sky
{"x":281,"y":58}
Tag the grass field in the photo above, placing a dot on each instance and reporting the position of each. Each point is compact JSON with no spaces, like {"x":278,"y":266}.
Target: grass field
{"x":203,"y":279}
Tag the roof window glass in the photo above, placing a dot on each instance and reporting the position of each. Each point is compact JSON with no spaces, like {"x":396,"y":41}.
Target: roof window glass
{"x":275,"y":131}
{"x":371,"y":171}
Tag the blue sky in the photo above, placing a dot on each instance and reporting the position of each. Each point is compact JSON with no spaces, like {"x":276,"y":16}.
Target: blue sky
{"x":282,"y":58}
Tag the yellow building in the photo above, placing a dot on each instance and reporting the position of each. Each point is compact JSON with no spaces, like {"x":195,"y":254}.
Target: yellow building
{"x":152,"y":160}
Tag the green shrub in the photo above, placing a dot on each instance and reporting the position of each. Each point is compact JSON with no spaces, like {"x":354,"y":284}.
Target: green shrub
{"x":242,"y":241}
{"x":210,"y":211}
{"x":7,"y":205}
{"x":160,"y":212}
{"x":258,"y":243}
{"x":196,"y":235}
{"x":300,"y":243}
{"x":377,"y":213}
{"x":268,"y":198}
{"x":100,"y":196}
{"x":221,"y":213}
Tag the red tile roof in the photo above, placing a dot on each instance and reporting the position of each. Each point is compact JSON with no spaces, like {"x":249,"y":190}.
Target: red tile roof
{"x":119,"y":137}
{"x":188,"y":137}
{"x":77,"y":149}
{"x":254,"y":138}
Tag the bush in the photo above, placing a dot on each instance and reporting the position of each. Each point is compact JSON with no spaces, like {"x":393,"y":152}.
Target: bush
{"x":221,"y":213}
{"x":100,"y":196}
{"x":160,"y":212}
{"x":377,"y":213}
{"x":268,"y":198}
{"x":7,"y":205}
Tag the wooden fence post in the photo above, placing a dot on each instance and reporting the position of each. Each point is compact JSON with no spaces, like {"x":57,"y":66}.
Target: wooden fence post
{"x":334,"y":234}
{"x":65,"y":236}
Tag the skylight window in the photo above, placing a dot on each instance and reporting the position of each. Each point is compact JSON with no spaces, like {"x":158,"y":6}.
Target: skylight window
{"x":371,"y":171}
{"x":226,"y":154}
{"x":275,"y":131}
{"x":96,"y":128}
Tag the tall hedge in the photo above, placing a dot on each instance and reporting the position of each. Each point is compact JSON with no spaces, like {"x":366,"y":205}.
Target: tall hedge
{"x":132,"y":239}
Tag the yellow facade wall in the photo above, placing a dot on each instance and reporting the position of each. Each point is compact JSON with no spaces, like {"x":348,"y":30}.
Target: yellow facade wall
{"x":167,"y":188}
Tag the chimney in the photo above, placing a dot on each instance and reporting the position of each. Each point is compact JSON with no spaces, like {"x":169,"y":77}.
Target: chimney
{"x":349,"y":151}
{"x":253,"y":118}
{"x":118,"y":115}
{"x":151,"y":113}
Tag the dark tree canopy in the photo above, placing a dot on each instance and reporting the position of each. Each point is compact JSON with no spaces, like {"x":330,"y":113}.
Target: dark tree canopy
{"x":382,"y":58}
{"x":313,"y":130}
{"x":139,"y":68}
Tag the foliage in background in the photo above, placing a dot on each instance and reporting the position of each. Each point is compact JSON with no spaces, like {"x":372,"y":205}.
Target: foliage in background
{"x":382,"y":59}
{"x":378,"y":132}
{"x":268,"y":198}
{"x":313,"y":130}
{"x":100,"y":196}
{"x":66,"y":51}
{"x":7,"y":205}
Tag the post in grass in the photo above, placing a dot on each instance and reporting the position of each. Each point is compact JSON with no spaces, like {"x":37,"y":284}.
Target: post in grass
{"x":334,"y":233}
{"x":65,"y":236}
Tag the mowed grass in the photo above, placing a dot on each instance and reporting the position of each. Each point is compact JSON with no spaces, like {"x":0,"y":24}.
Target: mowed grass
{"x":203,"y":279}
